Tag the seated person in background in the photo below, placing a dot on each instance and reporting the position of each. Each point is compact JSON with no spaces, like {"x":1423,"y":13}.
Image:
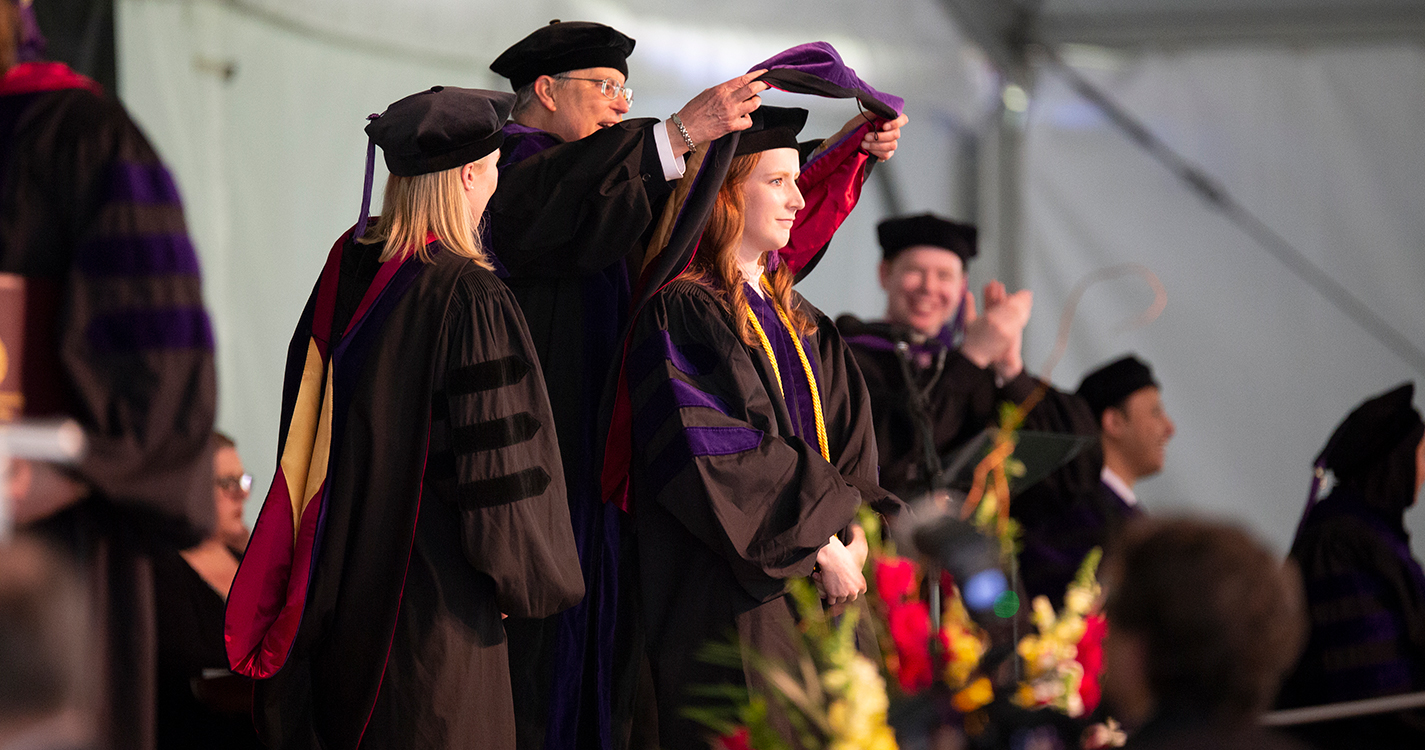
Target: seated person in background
{"x":1366,"y":593}
{"x":1134,"y":430}
{"x":963,"y":363}
{"x":216,"y":558}
{"x":45,"y":643}
{"x":201,"y":704}
{"x":1203,"y":621}
{"x":1060,"y":527}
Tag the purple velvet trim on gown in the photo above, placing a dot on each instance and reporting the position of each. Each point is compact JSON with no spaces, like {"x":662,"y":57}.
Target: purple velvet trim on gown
{"x":821,"y":60}
{"x":136,"y":330}
{"x":693,"y":359}
{"x":795,"y":388}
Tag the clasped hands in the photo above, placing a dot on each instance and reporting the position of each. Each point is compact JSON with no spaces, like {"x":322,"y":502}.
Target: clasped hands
{"x":838,"y":577}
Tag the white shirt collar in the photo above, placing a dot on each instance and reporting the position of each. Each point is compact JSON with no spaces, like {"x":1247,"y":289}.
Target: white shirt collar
{"x":1119,"y":486}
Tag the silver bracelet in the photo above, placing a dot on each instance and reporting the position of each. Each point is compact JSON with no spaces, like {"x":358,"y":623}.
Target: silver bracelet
{"x":688,"y":139}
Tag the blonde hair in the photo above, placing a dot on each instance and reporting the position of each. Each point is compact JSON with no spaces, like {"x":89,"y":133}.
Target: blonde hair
{"x":415,"y":207}
{"x":715,"y":263}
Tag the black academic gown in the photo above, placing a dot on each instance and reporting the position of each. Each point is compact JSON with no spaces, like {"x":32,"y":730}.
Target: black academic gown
{"x":1365,"y":597}
{"x":568,"y":224}
{"x":729,"y":490}
{"x":446,"y":508}
{"x":117,"y":338}
{"x":1062,"y":516}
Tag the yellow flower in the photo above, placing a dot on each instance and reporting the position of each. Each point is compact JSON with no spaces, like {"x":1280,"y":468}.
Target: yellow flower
{"x":979,"y":693}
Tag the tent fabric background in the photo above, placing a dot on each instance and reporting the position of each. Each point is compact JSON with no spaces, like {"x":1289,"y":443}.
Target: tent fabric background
{"x":258,"y":106}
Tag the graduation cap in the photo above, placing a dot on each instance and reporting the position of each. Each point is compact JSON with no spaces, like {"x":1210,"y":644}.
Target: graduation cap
{"x":1371,"y":431}
{"x":1111,"y":384}
{"x":561,"y":47}
{"x":901,"y":232}
{"x":442,"y":128}
{"x":772,"y":127}
{"x":1040,"y":453}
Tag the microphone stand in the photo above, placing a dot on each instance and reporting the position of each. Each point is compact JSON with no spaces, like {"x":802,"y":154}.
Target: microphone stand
{"x":936,"y":480}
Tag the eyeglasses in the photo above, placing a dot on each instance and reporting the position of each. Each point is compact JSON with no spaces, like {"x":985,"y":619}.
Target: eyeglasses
{"x":235,"y":484}
{"x":607,"y":87}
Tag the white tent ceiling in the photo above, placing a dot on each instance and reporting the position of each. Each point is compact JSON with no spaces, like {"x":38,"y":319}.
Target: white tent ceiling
{"x":1308,"y":111}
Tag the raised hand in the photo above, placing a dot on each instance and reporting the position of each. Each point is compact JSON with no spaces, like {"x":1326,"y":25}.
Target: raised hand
{"x":882,"y":141}
{"x":996,"y":336}
{"x":722,"y":109}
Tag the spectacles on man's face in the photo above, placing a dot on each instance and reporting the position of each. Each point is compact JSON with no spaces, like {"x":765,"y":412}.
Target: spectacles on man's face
{"x":235,"y":484}
{"x":607,"y":86}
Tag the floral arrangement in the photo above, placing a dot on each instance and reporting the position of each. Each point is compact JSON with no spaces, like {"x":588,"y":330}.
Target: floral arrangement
{"x":835,"y":698}
{"x":1062,"y":661}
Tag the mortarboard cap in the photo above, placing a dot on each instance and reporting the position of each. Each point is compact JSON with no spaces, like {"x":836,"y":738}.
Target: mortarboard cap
{"x":772,"y":127}
{"x":1371,"y":432}
{"x":440,"y":129}
{"x":561,"y":47}
{"x":1111,"y":384}
{"x":897,"y":234}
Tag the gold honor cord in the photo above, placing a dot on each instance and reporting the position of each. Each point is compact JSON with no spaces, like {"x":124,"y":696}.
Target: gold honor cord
{"x":806,"y":366}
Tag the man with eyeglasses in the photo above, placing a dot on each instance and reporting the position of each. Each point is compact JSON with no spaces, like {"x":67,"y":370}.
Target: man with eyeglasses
{"x":580,"y":193}
{"x":579,"y":190}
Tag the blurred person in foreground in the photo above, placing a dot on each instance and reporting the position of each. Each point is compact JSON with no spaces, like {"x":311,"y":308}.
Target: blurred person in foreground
{"x":201,"y":703}
{"x":1203,"y":622}
{"x":45,"y":640}
{"x":1365,"y":591}
{"x":419,"y":496}
{"x":98,"y":265}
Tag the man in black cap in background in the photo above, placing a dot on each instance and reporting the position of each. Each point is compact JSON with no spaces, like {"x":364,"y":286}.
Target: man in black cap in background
{"x":1134,"y":429}
{"x":1060,"y":528}
{"x":963,"y":363}
{"x":1365,"y":591}
{"x":964,"y":366}
{"x":580,"y":192}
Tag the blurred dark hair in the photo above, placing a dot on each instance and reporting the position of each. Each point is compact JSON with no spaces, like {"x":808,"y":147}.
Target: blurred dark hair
{"x":223,"y":440}
{"x":43,"y":633}
{"x":1220,"y":615}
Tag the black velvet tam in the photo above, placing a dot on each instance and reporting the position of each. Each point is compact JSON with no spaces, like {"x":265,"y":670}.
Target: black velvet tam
{"x":772,"y":127}
{"x":443,"y":128}
{"x":1372,"y":430}
{"x":562,"y":47}
{"x":903,"y":232}
{"x":1111,"y":384}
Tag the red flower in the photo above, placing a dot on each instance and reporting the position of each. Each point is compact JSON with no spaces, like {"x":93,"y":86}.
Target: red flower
{"x":740,"y":739}
{"x":895,"y":580}
{"x":1091,"y":658}
{"x":910,"y":630}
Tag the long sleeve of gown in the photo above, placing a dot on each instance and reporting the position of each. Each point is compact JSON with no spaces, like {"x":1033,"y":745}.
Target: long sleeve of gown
{"x":578,"y":207}
{"x":709,"y":448}
{"x":132,"y":342}
{"x":510,"y":488}
{"x":1367,"y":637}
